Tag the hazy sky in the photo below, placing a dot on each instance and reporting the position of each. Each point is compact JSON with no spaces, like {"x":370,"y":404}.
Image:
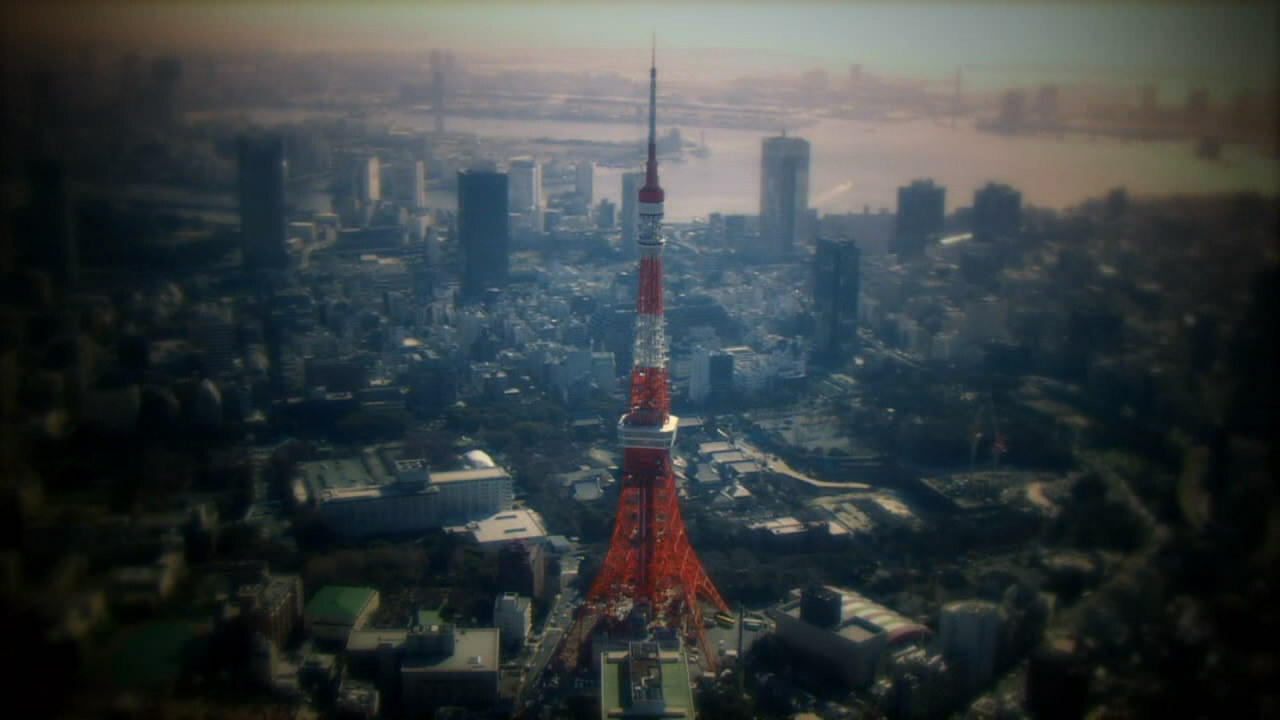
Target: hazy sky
{"x":1236,"y":41}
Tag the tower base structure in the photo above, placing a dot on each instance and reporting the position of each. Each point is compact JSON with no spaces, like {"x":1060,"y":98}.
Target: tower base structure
{"x":650,"y":568}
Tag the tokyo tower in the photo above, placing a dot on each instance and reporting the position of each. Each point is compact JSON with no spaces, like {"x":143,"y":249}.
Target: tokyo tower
{"x":650,"y":566}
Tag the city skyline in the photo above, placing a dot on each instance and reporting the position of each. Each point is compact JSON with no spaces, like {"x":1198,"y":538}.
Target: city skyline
{"x":333,"y":384}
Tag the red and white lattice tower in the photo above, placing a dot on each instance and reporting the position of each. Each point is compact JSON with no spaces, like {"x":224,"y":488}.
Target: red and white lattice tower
{"x":650,"y":564}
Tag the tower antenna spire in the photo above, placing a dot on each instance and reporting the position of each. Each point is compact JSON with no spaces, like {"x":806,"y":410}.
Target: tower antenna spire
{"x":651,"y":165}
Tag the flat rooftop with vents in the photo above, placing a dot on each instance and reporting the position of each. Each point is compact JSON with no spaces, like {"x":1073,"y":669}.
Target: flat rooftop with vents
{"x":645,"y":681}
{"x":520,"y":524}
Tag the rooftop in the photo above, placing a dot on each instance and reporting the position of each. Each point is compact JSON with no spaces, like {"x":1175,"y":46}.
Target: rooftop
{"x":781,"y":526}
{"x":708,"y":448}
{"x":654,"y":674}
{"x":370,"y":640}
{"x":512,"y":601}
{"x":481,"y":473}
{"x":860,"y":618}
{"x":521,"y":524}
{"x":337,"y":601}
{"x":335,"y":474}
{"x":474,"y":650}
{"x":366,"y":492}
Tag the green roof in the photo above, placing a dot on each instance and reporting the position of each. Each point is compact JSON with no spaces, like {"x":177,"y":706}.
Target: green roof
{"x":337,"y":601}
{"x":152,"y":653}
{"x":676,"y":693}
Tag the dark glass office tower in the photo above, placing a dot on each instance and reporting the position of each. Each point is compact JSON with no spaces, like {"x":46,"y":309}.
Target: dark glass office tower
{"x":483,"y":230}
{"x":836,"y":282}
{"x":921,"y":208}
{"x":262,"y":211}
{"x":997,"y":212}
{"x":784,"y":195}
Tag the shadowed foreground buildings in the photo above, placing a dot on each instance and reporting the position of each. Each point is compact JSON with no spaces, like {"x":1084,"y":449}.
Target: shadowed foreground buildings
{"x":262,"y":171}
{"x":483,"y":230}
{"x":428,"y":666}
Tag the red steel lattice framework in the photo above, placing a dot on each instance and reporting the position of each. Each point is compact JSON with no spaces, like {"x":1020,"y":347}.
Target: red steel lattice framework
{"x":650,"y":563}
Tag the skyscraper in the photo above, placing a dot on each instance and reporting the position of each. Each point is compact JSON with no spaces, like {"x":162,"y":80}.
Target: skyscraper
{"x":370,"y":180}
{"x":920,"y":213}
{"x":584,"y":181}
{"x":262,"y":171}
{"x":525,"y":190}
{"x":997,"y":212}
{"x":784,"y":194}
{"x":418,"y":182}
{"x":836,"y":282}
{"x":409,"y":184}
{"x":483,"y":230}
{"x":631,"y":183}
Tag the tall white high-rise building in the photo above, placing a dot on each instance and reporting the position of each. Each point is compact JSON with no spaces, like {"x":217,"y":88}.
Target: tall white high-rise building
{"x":371,"y":180}
{"x":784,"y":195}
{"x":524,"y":194}
{"x":631,"y":183}
{"x":418,"y":185}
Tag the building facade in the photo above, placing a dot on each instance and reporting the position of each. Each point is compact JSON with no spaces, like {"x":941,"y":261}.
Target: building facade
{"x":483,"y":230}
{"x":631,"y":183}
{"x":411,"y":505}
{"x":261,"y":173}
{"x":997,"y":212}
{"x":842,"y":631}
{"x":525,"y":190}
{"x":969,"y":634}
{"x":584,"y":181}
{"x":784,"y":195}
{"x":370,"y":180}
{"x":921,"y":211}
{"x":836,"y":285}
{"x":273,"y":607}
{"x":513,"y":616}
{"x":444,"y":665}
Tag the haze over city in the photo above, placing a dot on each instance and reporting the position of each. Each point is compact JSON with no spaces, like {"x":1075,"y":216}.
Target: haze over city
{"x":644,"y":360}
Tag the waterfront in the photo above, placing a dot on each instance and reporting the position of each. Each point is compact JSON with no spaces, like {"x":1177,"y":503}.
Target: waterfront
{"x":858,"y":163}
